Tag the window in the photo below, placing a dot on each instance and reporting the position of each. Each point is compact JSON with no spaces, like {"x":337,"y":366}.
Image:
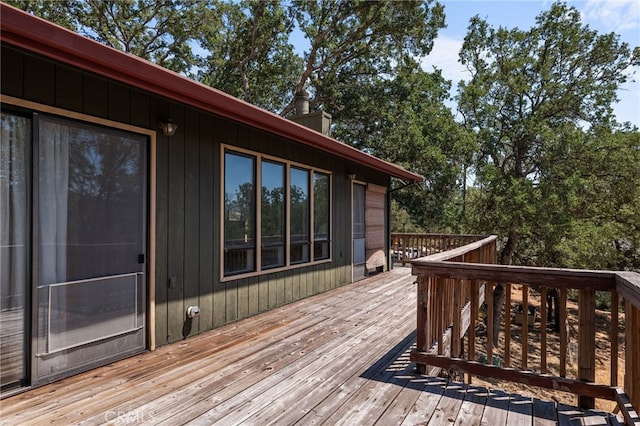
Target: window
{"x":239,"y":213}
{"x":273,"y":214}
{"x":286,"y":224}
{"x":299,"y":198}
{"x":320,"y":216}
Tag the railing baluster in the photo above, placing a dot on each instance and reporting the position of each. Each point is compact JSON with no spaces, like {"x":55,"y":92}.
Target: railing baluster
{"x":433,"y":309}
{"x":474,"y":318}
{"x":490,"y":314}
{"x":525,"y":327}
{"x":507,"y":325}
{"x":440,"y":313}
{"x":615,"y":305}
{"x":563,"y":332}
{"x":457,"y":318}
{"x":543,"y":329}
{"x":403,"y":251}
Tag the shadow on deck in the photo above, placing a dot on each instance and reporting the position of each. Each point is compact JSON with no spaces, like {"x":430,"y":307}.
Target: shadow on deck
{"x":341,"y":357}
{"x":438,"y":400}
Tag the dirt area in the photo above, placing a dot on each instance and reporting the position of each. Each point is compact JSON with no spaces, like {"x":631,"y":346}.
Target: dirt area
{"x":603,"y":351}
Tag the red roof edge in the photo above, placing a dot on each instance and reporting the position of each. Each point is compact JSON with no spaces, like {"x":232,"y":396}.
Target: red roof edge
{"x":52,"y":41}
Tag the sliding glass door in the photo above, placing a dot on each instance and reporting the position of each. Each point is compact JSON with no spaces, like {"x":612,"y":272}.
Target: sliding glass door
{"x":73,"y":246}
{"x":15,"y":195}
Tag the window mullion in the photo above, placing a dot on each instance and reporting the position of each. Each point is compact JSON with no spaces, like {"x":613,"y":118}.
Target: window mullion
{"x":311,"y":215}
{"x":287,"y":208}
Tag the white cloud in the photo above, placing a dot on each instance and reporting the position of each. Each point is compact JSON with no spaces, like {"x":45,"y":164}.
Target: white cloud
{"x":612,"y":15}
{"x":444,"y":56}
{"x":623,"y":18}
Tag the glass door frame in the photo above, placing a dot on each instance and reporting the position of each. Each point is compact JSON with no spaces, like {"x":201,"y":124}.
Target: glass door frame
{"x":28,"y":108}
{"x":27,"y":314}
{"x":73,"y":349}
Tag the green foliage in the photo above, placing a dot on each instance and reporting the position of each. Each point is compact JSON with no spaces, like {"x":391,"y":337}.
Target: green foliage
{"x":547,"y":186}
{"x":157,"y":30}
{"x":353,"y":42}
{"x":62,"y":12}
{"x":412,"y":128}
{"x":555,"y":176}
{"x":248,"y":53}
{"x":592,"y":190}
{"x":401,"y":220}
{"x":244,"y":48}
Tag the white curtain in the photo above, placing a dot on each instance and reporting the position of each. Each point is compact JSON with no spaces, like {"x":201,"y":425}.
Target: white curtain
{"x":15,"y":139}
{"x":53,"y":201}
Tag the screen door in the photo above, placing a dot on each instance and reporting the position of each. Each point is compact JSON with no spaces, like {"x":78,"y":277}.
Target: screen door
{"x":89,"y":245}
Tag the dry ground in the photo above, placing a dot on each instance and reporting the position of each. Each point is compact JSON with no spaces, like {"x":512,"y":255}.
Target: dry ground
{"x":603,"y":351}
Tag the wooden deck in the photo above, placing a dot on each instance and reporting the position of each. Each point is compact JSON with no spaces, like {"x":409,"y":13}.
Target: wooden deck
{"x":337,"y":358}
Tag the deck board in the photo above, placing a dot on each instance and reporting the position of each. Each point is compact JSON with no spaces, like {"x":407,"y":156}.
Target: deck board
{"x":341,"y":357}
{"x":520,"y":410}
{"x":544,"y":413}
{"x":472,"y":407}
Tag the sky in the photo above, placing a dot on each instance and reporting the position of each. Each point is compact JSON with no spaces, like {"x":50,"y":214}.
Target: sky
{"x":603,"y":16}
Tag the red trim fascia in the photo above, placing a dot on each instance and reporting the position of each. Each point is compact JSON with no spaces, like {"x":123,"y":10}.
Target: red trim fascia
{"x":47,"y":39}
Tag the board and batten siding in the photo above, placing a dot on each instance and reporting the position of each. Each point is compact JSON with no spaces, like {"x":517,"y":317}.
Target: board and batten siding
{"x":187,"y":166}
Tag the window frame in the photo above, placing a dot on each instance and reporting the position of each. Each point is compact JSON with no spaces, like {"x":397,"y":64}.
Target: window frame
{"x":249,"y":248}
{"x":282,"y":218}
{"x":302,"y":243}
{"x":258,"y":158}
{"x":315,"y":241}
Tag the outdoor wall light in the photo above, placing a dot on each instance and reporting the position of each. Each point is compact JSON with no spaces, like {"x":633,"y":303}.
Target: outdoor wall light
{"x":168,"y":127}
{"x":351,"y":176}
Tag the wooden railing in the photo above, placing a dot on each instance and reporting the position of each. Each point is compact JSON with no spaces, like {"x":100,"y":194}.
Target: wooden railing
{"x":408,"y":246}
{"x":456,"y":331}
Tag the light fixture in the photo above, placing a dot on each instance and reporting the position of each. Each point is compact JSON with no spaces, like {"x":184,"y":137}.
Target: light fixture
{"x":168,"y":127}
{"x":351,"y":176}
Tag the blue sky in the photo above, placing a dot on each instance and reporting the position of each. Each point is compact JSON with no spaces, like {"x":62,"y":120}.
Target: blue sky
{"x":604,"y":16}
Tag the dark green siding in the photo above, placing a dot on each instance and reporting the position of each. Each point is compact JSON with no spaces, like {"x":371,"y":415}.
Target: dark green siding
{"x":12,"y":73}
{"x":69,"y":90}
{"x":188,"y":168}
{"x":208,"y":226}
{"x":39,"y":84}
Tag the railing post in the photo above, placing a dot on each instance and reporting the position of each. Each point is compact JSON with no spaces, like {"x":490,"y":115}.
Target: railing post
{"x":422,"y":328}
{"x":587,"y":342}
{"x":632,"y":353}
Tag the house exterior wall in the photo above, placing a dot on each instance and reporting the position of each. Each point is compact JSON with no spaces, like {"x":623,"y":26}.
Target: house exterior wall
{"x":187,"y":199}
